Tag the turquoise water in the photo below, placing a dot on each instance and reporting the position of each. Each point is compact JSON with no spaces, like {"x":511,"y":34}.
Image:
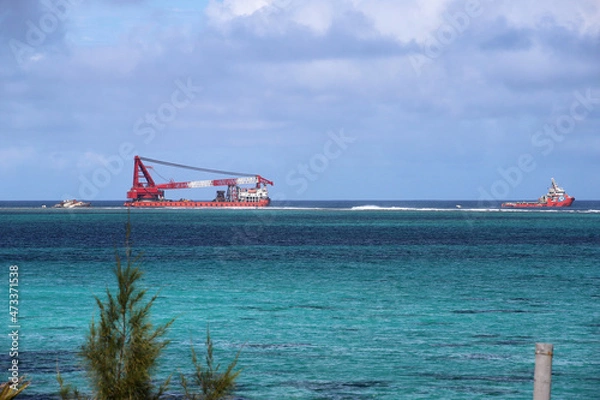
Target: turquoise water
{"x":328,"y":301}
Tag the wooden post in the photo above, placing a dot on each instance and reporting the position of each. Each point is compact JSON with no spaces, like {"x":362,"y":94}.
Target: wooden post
{"x":542,"y":377}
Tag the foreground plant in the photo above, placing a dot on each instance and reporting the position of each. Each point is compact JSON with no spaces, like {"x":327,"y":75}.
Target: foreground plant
{"x":212,"y":384}
{"x":122,"y":350}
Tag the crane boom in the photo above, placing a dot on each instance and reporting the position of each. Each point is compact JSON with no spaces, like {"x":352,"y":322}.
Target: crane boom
{"x":145,"y":189}
{"x":247,"y":180}
{"x":225,"y":182}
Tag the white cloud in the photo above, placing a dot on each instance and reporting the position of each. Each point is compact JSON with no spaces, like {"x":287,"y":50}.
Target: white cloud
{"x":315,"y":14}
{"x":220,"y":12}
{"x":582,"y":16}
{"x":407,"y":20}
{"x":404,"y":20}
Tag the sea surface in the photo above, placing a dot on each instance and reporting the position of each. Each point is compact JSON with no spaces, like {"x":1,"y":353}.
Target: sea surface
{"x":323,"y":300}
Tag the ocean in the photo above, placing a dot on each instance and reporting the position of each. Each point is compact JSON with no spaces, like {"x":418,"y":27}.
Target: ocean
{"x":324,"y":300}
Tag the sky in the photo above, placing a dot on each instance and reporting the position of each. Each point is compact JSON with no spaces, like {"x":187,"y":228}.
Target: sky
{"x":329,"y":99}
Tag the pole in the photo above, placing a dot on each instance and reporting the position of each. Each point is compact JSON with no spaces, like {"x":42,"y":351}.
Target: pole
{"x":542,"y":377}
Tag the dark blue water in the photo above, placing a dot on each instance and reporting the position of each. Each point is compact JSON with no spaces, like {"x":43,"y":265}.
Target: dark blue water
{"x":327,"y":300}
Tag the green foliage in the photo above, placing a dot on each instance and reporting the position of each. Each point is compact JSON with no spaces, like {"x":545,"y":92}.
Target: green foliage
{"x":7,"y":391}
{"x":66,"y":391}
{"x":122,"y":349}
{"x":212,"y":384}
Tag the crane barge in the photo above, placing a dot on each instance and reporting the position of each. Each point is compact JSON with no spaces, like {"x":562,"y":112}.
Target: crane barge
{"x":145,"y":193}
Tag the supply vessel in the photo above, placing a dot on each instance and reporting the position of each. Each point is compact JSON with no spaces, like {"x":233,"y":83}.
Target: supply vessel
{"x":556,"y":197}
{"x":146,"y":193}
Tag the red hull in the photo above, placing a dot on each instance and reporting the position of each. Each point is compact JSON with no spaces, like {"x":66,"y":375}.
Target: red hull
{"x":566,"y":202}
{"x":195,"y":204}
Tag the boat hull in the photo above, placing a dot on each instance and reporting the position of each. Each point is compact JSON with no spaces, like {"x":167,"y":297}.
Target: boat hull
{"x":196,"y":204}
{"x":566,"y":202}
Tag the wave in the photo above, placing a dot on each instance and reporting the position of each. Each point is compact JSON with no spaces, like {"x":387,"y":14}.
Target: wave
{"x":369,"y":207}
{"x":395,"y":208}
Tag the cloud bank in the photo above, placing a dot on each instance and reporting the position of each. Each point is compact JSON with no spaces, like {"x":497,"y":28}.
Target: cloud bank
{"x":437,"y":100}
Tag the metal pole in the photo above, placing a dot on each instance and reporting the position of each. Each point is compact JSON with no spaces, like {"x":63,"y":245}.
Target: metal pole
{"x":542,"y":377}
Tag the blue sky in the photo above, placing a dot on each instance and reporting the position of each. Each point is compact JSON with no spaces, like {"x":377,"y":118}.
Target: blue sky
{"x":339,"y":99}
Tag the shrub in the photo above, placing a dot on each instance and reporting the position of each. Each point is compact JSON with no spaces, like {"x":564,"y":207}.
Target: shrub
{"x":212,"y":384}
{"x":122,"y":349}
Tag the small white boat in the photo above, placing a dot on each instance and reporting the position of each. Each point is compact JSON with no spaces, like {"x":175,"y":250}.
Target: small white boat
{"x":71,"y":204}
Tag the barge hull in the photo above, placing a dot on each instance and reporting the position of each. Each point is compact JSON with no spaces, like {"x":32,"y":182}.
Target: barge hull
{"x":196,"y":204}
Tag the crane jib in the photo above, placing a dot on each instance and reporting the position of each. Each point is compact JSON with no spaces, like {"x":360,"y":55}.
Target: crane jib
{"x":224,"y":182}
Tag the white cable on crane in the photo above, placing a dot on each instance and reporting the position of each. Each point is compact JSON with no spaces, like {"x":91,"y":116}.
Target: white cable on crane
{"x":216,"y":171}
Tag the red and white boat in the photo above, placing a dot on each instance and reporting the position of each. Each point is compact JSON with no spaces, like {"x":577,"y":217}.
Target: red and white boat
{"x":145,"y":193}
{"x":556,"y":197}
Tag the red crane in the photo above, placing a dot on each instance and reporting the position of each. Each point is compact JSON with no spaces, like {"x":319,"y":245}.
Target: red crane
{"x":146,"y":193}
